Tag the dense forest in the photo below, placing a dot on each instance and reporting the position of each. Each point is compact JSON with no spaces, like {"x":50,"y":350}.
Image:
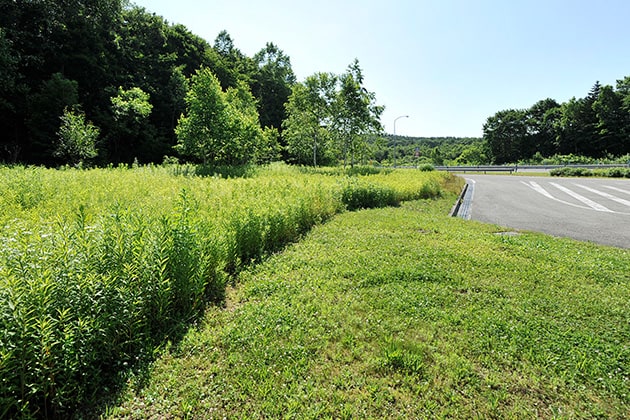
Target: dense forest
{"x":122,"y":70}
{"x":596,"y":126}
{"x":104,"y":81}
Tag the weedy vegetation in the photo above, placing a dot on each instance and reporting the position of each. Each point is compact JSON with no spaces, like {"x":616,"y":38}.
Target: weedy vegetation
{"x":403,"y":312}
{"x":621,"y":172}
{"x":100,"y":268}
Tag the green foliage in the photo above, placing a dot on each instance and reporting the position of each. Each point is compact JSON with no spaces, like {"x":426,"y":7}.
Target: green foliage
{"x":407,"y":313}
{"x":356,"y":114}
{"x":360,"y":194}
{"x":331,"y":116}
{"x":77,"y":138}
{"x":594,"y":126}
{"x":222,"y":128}
{"x":131,"y":104}
{"x":604,"y":172}
{"x":203,"y":131}
{"x":100,"y":46}
{"x":131,"y":109}
{"x":45,"y":108}
{"x":472,"y":155}
{"x":505,"y":132}
{"x":272,"y":85}
{"x":100,"y":268}
{"x":414,"y":151}
{"x":569,"y":171}
{"x":309,"y":116}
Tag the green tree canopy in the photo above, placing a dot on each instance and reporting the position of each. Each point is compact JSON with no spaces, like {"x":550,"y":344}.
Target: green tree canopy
{"x":221,"y":128}
{"x":355,"y":113}
{"x":505,"y":132}
{"x":309,"y":120}
{"x":131,"y":109}
{"x":272,"y":85}
{"x":76,"y":138}
{"x":329,"y":113}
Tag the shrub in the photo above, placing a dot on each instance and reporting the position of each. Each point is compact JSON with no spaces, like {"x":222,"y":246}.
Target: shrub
{"x":569,"y":171}
{"x":614,"y":172}
{"x":360,"y":194}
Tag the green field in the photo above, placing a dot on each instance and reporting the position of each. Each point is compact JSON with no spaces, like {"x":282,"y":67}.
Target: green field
{"x":100,"y":268}
{"x":155,"y":292}
{"x":406,"y":313}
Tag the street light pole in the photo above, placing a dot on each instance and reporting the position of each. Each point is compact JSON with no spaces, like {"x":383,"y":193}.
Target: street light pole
{"x":396,"y":119}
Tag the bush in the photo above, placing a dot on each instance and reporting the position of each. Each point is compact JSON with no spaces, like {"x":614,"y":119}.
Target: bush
{"x":567,"y":171}
{"x":614,"y":172}
{"x":585,"y":172}
{"x":360,"y":194}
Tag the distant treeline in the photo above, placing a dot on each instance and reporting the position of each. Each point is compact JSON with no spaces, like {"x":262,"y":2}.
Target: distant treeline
{"x":596,"y":126}
{"x":433,"y":150}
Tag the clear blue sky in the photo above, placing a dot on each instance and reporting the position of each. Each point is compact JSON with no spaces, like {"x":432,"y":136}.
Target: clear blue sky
{"x":448,"y":64}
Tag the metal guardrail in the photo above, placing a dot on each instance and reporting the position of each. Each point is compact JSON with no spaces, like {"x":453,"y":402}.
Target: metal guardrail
{"x":515,"y":168}
{"x":480,"y":168}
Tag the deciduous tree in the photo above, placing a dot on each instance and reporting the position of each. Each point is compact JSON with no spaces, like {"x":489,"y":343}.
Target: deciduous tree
{"x":131,"y":109}
{"x":355,"y":113}
{"x":219,"y":127}
{"x":504,"y":134}
{"x":309,"y":120}
{"x":76,"y":138}
{"x":272,"y":85}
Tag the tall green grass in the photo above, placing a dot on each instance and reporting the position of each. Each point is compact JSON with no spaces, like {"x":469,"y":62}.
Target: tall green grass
{"x":99,"y":268}
{"x":406,"y":313}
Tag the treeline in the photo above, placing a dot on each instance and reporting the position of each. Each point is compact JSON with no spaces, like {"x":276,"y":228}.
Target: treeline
{"x":596,"y":126}
{"x":108,"y":82}
{"x":433,"y":150}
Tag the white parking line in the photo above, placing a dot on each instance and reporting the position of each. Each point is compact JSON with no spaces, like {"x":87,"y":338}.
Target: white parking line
{"x":590,"y":204}
{"x":617,"y":189}
{"x":606,"y":195}
{"x":536,"y":187}
{"x":587,"y":201}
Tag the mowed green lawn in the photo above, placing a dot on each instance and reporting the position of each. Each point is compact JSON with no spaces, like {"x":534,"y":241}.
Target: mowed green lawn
{"x":404,"y":312}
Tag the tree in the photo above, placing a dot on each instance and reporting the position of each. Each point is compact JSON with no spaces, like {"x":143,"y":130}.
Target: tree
{"x":131,"y":109}
{"x":355,"y":113}
{"x":221,"y":128}
{"x":44,"y":109}
{"x":472,"y":155}
{"x":577,"y":126}
{"x":309,"y":119}
{"x":245,"y":137}
{"x":541,"y":130}
{"x":12,"y":104}
{"x":504,"y":134}
{"x":611,"y":122}
{"x":70,"y":37}
{"x":202,"y":132}
{"x":623,"y":91}
{"x":229,"y":64}
{"x":272,"y":85}
{"x":76,"y":138}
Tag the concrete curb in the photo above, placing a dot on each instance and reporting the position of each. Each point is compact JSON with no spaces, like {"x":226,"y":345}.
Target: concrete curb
{"x":455,"y":210}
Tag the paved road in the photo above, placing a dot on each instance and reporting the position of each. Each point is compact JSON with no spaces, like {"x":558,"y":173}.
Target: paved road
{"x":587,"y":209}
